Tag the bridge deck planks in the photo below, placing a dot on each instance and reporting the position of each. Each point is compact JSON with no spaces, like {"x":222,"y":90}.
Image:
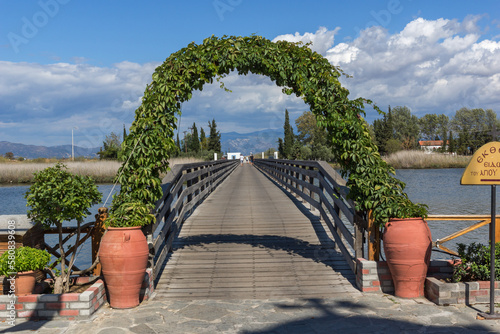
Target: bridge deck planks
{"x":249,"y":240}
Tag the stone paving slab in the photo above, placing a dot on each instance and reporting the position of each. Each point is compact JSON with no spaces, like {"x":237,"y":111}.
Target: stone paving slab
{"x":363,"y":313}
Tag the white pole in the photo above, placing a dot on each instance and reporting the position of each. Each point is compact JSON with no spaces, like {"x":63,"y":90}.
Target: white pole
{"x":72,"y":146}
{"x":215,"y":156}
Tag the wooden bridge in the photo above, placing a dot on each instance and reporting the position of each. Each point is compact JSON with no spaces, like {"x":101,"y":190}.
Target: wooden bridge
{"x":243,"y":232}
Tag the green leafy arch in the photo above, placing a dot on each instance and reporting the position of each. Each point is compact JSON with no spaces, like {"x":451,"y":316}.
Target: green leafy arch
{"x":299,"y":71}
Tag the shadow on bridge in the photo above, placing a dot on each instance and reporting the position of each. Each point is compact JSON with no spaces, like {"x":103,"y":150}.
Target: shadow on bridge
{"x":369,"y":316}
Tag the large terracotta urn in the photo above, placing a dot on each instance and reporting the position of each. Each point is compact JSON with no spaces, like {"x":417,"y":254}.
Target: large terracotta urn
{"x":124,"y":255}
{"x":407,"y":247}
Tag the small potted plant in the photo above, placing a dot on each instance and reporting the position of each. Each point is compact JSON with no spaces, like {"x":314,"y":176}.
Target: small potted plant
{"x":19,"y":265}
{"x":124,"y":253}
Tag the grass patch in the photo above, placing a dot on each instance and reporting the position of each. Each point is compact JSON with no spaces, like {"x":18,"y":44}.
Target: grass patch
{"x":420,"y":160}
{"x":102,"y":171}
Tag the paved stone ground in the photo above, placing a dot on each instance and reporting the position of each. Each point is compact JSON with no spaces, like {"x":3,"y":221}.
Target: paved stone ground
{"x":358,"y":313}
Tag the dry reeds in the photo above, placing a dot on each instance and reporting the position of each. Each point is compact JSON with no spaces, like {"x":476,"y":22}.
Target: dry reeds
{"x":419,"y":160}
{"x":102,"y":171}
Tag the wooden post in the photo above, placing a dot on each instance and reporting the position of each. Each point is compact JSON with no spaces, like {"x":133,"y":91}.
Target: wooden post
{"x":373,"y":239}
{"x":97,"y":234}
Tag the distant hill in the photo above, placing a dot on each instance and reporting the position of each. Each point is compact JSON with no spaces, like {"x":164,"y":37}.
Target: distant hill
{"x":36,"y":151}
{"x":253,"y":142}
{"x":244,"y":143}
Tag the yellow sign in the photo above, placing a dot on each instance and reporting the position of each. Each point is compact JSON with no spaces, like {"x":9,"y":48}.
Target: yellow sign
{"x":484,"y":167}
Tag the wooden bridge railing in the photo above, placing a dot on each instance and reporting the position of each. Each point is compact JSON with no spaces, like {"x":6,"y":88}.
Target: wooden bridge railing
{"x":184,"y":187}
{"x":483,"y":220}
{"x":317,"y":183}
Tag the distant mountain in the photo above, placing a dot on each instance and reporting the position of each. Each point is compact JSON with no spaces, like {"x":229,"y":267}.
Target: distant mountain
{"x":35,"y":151}
{"x":253,"y":142}
{"x":244,"y":143}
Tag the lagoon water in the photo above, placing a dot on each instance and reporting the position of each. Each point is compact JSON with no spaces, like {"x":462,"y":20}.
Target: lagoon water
{"x":440,"y":189}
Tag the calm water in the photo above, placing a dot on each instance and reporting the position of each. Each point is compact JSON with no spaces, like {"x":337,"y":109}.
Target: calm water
{"x":440,"y":189}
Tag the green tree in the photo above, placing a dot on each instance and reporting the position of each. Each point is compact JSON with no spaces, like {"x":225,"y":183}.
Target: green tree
{"x":383,"y":132}
{"x":406,"y":127}
{"x":9,"y":155}
{"x":313,"y":137}
{"x":288,"y":138}
{"x":281,"y":147}
{"x":194,"y":140}
{"x":473,"y":127}
{"x":203,"y":140}
{"x":111,"y":147}
{"x":214,"y":137}
{"x":58,"y":196}
{"x":451,"y":145}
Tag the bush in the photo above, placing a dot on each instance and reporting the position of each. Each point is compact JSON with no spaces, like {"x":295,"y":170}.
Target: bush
{"x":23,"y":259}
{"x":131,"y":214}
{"x":475,"y":265}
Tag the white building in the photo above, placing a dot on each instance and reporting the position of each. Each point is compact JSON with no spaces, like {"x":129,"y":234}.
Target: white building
{"x":234,"y":156}
{"x":430,"y":146}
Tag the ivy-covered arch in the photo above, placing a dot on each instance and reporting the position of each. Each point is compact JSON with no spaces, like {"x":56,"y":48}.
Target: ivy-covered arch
{"x":299,"y":71}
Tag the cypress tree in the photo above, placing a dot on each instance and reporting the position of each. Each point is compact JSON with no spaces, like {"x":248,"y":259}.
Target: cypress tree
{"x":214,"y":138}
{"x":288,"y":137}
{"x":203,"y":139}
{"x":124,"y":133}
{"x":194,"y":143}
{"x":451,"y":146}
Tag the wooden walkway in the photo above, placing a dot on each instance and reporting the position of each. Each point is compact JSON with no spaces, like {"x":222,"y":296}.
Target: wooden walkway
{"x":250,"y":240}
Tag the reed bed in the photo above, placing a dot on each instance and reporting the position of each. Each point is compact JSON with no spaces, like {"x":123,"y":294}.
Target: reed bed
{"x":102,"y":171}
{"x":420,"y":160}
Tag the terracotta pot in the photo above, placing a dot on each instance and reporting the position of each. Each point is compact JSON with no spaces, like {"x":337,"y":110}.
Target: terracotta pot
{"x":124,"y":256}
{"x":407,"y":247}
{"x":25,"y":283}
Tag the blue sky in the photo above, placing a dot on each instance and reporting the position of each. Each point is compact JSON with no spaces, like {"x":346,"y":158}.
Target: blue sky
{"x":85,"y":64}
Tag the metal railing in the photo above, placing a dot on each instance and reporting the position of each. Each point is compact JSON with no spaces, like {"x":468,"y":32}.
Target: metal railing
{"x":317,"y":183}
{"x":184,"y":187}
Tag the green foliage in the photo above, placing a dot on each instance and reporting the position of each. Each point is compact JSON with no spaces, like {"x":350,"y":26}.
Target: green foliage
{"x":131,"y":214}
{"x":57,"y":195}
{"x":214,"y":137}
{"x":406,"y":127}
{"x":393,"y":146}
{"x":194,"y":141}
{"x":111,"y":147}
{"x":451,"y":146}
{"x":289,"y":138}
{"x":23,"y":259}
{"x":433,"y":126}
{"x":314,"y":138}
{"x":9,"y":155}
{"x":203,"y":140}
{"x":295,"y":68}
{"x":473,"y":127}
{"x":475,"y":264}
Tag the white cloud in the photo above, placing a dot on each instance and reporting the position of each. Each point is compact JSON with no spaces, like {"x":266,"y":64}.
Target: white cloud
{"x":41,"y":102}
{"x":321,"y":40}
{"x":432,"y":66}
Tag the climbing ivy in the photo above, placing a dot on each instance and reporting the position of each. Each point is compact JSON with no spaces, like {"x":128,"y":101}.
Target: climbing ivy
{"x":297,"y":69}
